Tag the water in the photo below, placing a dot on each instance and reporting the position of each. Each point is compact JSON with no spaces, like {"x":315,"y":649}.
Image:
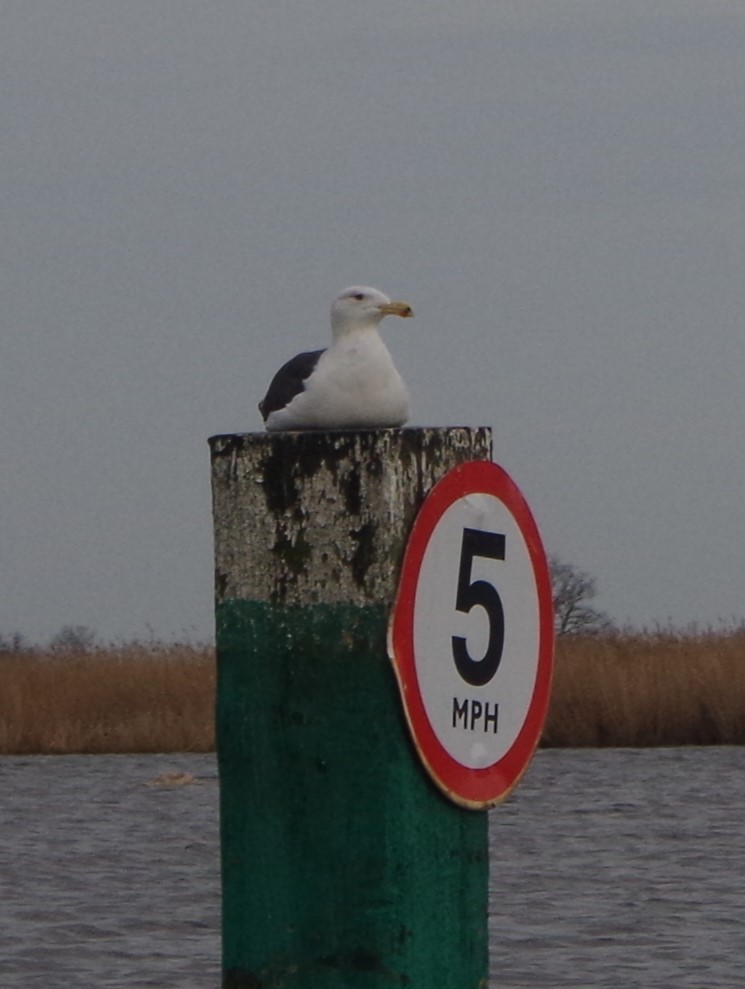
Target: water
{"x":108,"y":881}
{"x":611,"y":868}
{"x":621,"y":869}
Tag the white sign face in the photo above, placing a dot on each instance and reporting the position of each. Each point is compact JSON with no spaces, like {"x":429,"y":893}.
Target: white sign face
{"x":471,"y":634}
{"x":476,"y":558}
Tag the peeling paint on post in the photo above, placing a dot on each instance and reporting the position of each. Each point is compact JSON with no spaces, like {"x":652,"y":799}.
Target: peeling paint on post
{"x":343,"y":867}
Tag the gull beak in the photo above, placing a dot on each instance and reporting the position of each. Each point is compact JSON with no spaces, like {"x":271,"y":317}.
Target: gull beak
{"x":402,"y":309}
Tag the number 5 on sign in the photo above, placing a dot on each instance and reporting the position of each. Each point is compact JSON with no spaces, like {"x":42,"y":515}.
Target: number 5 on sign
{"x":490,"y":545}
{"x":471,"y":634}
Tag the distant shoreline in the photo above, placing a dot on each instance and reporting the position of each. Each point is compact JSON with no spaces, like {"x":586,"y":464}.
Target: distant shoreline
{"x":143,"y":698}
{"x":630,"y":689}
{"x":648,"y":689}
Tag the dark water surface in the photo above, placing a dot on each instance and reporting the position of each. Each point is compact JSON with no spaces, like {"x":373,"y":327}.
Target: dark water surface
{"x":621,"y":868}
{"x":610,"y":868}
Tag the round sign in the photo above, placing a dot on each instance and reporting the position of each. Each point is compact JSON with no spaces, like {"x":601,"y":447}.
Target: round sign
{"x":471,"y":634}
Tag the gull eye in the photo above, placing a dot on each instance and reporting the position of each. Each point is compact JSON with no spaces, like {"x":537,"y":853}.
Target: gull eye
{"x":359,"y":296}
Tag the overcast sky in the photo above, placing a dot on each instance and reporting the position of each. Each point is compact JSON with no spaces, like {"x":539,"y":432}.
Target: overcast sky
{"x":557,"y":187}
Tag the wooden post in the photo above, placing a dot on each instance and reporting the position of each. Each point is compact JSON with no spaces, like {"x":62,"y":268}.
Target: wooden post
{"x":343,"y":866}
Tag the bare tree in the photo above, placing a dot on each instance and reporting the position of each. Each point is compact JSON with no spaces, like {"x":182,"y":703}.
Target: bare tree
{"x":73,"y":639}
{"x":572,"y":590}
{"x":15,"y":643}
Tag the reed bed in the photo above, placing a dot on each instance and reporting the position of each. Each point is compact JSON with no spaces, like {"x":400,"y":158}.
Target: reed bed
{"x":649,"y":688}
{"x":141,"y":698}
{"x":625,"y":689}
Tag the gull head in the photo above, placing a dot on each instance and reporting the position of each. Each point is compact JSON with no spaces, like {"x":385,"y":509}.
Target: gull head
{"x":360,"y":306}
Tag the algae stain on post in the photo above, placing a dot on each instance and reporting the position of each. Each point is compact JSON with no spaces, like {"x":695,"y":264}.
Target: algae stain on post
{"x":334,"y":841}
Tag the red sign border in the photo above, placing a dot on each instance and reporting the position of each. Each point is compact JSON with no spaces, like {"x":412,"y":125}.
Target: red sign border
{"x":473,"y":788}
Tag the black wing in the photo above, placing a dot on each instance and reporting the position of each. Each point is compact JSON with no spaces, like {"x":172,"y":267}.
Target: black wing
{"x":288,"y":382}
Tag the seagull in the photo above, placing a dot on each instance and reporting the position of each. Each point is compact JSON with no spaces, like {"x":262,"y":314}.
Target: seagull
{"x":353,"y":384}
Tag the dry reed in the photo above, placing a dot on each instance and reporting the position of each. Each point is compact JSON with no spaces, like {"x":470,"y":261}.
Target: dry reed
{"x":631,"y":689}
{"x":640,"y":689}
{"x":152,"y":698}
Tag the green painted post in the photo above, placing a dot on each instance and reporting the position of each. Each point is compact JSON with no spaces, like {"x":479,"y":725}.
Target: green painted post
{"x":343,"y":866}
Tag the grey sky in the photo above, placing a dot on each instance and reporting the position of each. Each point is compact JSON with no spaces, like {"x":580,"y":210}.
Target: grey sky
{"x":557,"y":187}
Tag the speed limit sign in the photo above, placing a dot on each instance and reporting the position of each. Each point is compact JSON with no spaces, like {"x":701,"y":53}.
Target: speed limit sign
{"x":471,"y":634}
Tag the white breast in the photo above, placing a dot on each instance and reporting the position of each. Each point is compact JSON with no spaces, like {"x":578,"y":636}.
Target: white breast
{"x":355,"y":385}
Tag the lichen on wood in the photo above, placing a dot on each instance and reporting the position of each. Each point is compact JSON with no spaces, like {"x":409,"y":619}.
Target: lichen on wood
{"x":308,"y":517}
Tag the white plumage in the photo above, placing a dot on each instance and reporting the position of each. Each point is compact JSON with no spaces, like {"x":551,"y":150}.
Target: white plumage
{"x":353,"y":384}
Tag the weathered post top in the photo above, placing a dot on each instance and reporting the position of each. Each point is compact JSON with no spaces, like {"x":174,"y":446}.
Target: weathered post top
{"x":326,"y":515}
